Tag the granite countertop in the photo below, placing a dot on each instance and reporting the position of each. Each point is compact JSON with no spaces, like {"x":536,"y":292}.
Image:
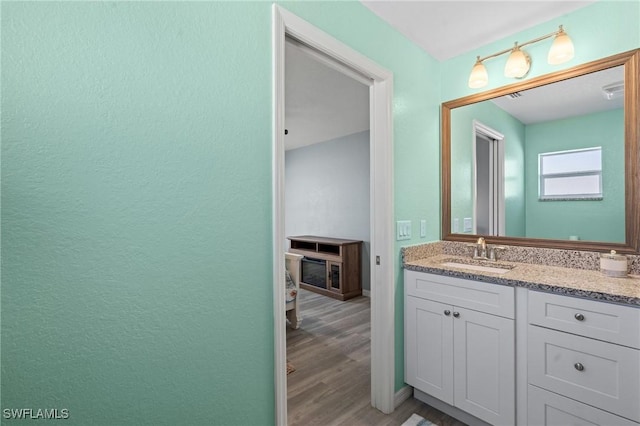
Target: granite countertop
{"x":584,"y":283}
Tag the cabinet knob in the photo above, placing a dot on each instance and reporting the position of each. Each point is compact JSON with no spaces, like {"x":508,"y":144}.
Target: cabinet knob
{"x":456,"y":314}
{"x":579,"y":317}
{"x":447,"y":312}
{"x":579,"y":366}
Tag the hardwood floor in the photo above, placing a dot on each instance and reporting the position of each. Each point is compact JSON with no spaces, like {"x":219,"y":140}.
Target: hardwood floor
{"x":332,"y":382}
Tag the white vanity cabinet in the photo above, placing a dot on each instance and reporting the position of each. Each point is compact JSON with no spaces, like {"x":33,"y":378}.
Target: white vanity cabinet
{"x":460,"y":344}
{"x":583,"y":361}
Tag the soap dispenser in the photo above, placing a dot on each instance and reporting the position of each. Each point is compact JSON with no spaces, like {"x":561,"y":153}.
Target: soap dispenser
{"x":613,"y":264}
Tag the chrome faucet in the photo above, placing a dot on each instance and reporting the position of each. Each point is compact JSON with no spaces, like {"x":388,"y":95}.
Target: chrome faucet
{"x":481,"y":251}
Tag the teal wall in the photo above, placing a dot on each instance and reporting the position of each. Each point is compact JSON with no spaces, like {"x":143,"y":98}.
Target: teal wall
{"x":135,"y":144}
{"x":601,"y":220}
{"x":136,"y":176}
{"x":462,"y":141}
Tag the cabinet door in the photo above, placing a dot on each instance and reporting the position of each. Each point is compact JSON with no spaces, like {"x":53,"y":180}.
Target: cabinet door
{"x":484,"y":365}
{"x":334,"y":271}
{"x":429,"y":347}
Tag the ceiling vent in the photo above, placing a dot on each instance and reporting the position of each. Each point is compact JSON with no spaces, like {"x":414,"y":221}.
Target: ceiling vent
{"x":613,"y":90}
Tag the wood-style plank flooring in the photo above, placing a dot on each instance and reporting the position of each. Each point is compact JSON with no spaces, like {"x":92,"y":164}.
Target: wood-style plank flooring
{"x":332,"y":382}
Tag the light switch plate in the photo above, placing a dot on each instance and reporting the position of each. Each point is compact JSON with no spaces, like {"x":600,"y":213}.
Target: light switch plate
{"x":456,"y":225}
{"x":423,"y":228}
{"x":403,"y":230}
{"x":467,"y":224}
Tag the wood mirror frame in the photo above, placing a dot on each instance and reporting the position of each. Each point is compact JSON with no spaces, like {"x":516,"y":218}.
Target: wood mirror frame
{"x":631,"y":62}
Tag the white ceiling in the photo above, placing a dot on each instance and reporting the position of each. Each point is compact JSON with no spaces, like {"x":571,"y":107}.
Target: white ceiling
{"x":446,"y":29}
{"x":322,"y":104}
{"x":568,"y":98}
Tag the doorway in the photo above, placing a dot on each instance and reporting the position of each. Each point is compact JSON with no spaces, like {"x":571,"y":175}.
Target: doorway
{"x":488,"y":162}
{"x":327,"y":181}
{"x":381,"y":206}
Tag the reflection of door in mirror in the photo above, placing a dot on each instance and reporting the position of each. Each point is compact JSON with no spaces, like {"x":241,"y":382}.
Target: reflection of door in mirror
{"x":489,"y":178}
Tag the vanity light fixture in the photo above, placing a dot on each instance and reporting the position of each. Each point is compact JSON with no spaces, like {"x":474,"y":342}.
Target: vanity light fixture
{"x":518,"y":64}
{"x":519,"y":61}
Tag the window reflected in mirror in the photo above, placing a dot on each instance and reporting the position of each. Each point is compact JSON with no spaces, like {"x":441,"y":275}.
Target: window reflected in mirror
{"x":570,"y":175}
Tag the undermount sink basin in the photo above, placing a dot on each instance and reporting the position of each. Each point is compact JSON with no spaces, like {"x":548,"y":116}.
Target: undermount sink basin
{"x":475,"y":267}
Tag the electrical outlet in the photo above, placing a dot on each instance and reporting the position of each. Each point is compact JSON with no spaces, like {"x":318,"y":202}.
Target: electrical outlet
{"x":456,"y":225}
{"x":423,"y":228}
{"x":467,"y":224}
{"x":403,"y":230}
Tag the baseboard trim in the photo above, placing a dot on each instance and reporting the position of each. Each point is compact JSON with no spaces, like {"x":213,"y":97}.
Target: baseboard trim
{"x":366,"y":293}
{"x":402,"y":395}
{"x":454,"y":412}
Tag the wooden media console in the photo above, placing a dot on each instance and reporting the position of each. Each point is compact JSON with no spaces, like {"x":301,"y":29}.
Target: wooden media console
{"x":331,"y":266}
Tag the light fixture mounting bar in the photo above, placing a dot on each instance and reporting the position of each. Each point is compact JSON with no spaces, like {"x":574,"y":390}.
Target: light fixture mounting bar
{"x":502,"y":52}
{"x":544,"y":37}
{"x":535,"y":40}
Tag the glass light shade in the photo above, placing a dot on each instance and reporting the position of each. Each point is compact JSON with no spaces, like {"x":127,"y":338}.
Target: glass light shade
{"x":517,"y":65}
{"x":479,"y":77}
{"x":561,"y":49}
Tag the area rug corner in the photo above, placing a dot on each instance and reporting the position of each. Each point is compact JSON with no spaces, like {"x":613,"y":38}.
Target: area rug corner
{"x":416,"y":420}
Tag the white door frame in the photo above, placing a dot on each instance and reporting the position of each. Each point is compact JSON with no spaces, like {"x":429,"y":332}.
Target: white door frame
{"x":498,"y":167}
{"x":381,"y":187}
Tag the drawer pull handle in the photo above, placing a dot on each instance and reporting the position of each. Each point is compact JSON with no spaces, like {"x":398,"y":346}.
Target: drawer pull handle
{"x":456,"y":314}
{"x":579,"y":317}
{"x":579,"y":366}
{"x":447,"y":312}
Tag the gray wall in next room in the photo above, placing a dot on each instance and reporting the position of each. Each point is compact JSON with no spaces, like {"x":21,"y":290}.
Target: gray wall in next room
{"x":327,"y":192}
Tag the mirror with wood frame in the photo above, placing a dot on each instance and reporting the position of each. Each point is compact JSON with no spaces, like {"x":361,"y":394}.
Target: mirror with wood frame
{"x":461,"y":120}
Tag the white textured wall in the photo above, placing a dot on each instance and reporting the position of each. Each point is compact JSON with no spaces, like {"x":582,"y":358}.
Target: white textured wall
{"x":327,"y":192}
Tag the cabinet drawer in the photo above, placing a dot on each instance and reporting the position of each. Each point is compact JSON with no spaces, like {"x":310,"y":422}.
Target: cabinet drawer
{"x":489,"y":298}
{"x":549,"y":409}
{"x":598,"y":320}
{"x":601,"y":374}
